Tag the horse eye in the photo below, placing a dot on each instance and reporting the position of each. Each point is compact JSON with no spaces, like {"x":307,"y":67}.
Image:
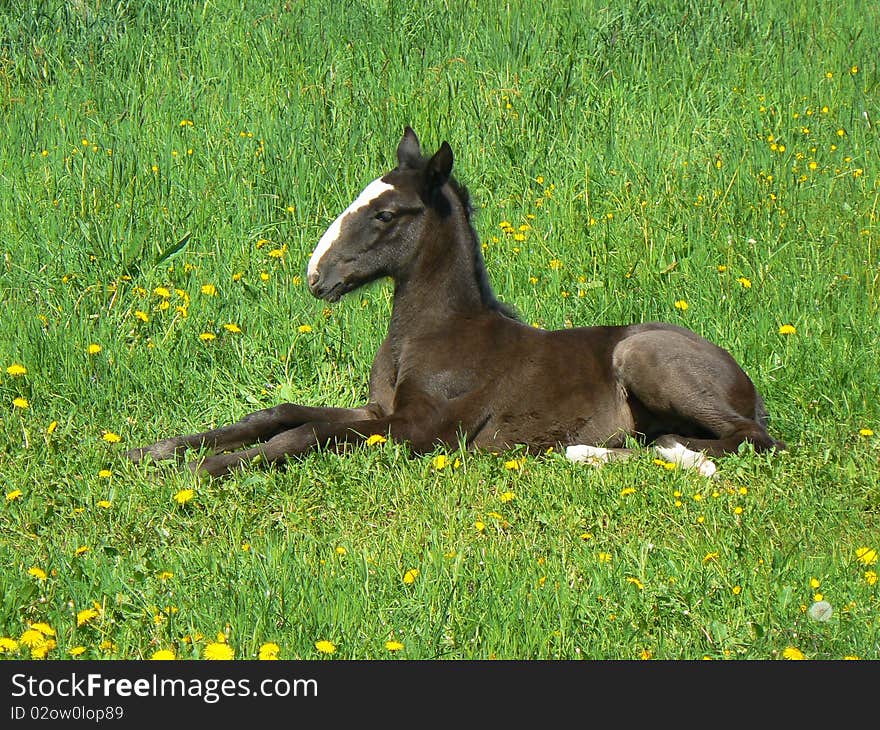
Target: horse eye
{"x":384,"y":215}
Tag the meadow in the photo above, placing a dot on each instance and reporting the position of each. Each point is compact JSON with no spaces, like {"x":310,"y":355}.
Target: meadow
{"x":166,"y":168}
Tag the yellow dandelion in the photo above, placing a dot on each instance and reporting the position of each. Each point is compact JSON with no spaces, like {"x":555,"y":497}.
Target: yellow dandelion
{"x":184,"y":496}
{"x":93,"y":349}
{"x":32,"y":639}
{"x":8,"y":645}
{"x":604,"y":557}
{"x":111,"y":438}
{"x":744,"y":282}
{"x":81,"y":550}
{"x":277,"y":253}
{"x":627,"y":490}
{"x":393,"y":646}
{"x":853,"y":69}
{"x":340,"y":550}
{"x":866,"y":555}
{"x":50,"y":429}
{"x":793,"y":653}
{"x":480,"y":525}
{"x":161,"y":291}
{"x":440,"y":461}
{"x":555,"y":264}
{"x":376,"y":439}
{"x":680,"y":304}
{"x":410,"y":576}
{"x":21,"y":403}
{"x":304,"y":329}
{"x":269,"y":651}
{"x":787,"y":329}
{"x":162,"y":655}
{"x":710,"y":557}
{"x":736,"y":590}
{"x":15,"y":369}
{"x":37,"y":573}
{"x":142,"y":316}
{"x":207,"y":336}
{"x":232,"y":327}
{"x":636,"y":582}
{"x":865,"y":432}
{"x":325,"y":647}
{"x":218,"y":651}
{"x":870,"y":577}
{"x":507,"y":496}
{"x":209,"y":290}
{"x":586,"y":536}
{"x":513,"y":464}
{"x":86,"y":615}
{"x":103,"y":503}
{"x":721,"y":268}
{"x":13,"y":495}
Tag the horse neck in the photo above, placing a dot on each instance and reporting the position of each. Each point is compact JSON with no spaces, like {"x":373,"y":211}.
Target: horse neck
{"x":442,"y":283}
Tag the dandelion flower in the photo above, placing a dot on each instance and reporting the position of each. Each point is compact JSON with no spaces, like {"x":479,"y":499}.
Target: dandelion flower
{"x":393,"y":645}
{"x":207,"y":336}
{"x":820,"y":611}
{"x":870,"y":577}
{"x":376,"y":439}
{"x":86,"y":615}
{"x":219,"y":651}
{"x":787,"y":329}
{"x":507,"y":496}
{"x":142,"y":316}
{"x":93,"y":349}
{"x":480,"y":525}
{"x":81,"y":550}
{"x":793,"y":653}
{"x":865,"y":432}
{"x":604,"y":557}
{"x":636,"y":582}
{"x":184,"y":496}
{"x":681,"y":304}
{"x":162,"y":655}
{"x":103,"y":503}
{"x":410,"y":576}
{"x":20,"y":403}
{"x":111,"y":438}
{"x":50,"y":429}
{"x":209,"y":290}
{"x":32,"y":639}
{"x":7,"y":645}
{"x":232,"y":327}
{"x":37,"y":573}
{"x":16,"y":369}
{"x":325,"y":647}
{"x":340,"y":550}
{"x":105,"y":474}
{"x":269,"y":651}
{"x":13,"y":495}
{"x":866,"y":555}
{"x":744,"y":282}
{"x":512,"y":465}
{"x":626,"y":491}
{"x":440,"y":461}
{"x":304,"y":329}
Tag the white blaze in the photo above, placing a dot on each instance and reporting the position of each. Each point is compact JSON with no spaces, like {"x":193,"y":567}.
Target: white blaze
{"x":369,"y":194}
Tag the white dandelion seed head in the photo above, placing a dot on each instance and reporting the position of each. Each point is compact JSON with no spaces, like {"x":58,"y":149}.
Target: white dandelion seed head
{"x":821,"y":611}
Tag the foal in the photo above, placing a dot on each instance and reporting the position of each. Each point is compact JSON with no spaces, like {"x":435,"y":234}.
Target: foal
{"x":457,"y":364}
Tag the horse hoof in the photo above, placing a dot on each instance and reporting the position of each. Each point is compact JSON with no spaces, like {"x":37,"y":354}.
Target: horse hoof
{"x":583,"y":454}
{"x":159,"y":451}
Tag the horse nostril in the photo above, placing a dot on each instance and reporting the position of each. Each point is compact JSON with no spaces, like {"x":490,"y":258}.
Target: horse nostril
{"x":313,"y":279}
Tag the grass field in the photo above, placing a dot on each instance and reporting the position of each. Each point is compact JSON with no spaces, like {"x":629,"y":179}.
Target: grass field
{"x":166,"y":168}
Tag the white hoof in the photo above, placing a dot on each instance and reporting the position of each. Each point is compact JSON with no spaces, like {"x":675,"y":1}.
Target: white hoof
{"x":583,"y":454}
{"x":687,"y":459}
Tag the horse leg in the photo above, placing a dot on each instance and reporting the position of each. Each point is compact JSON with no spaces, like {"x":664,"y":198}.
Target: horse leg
{"x":257,"y":426}
{"x":681,"y":382}
{"x":422,"y":424}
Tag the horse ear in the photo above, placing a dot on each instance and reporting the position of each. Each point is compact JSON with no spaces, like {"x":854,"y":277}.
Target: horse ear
{"x":439,"y":169}
{"x":409,"y":153}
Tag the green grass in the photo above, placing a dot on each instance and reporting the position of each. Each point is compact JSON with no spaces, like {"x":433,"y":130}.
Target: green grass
{"x":725,"y":156}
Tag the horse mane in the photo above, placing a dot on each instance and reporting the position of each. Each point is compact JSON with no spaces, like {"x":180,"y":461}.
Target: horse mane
{"x":487,"y":294}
